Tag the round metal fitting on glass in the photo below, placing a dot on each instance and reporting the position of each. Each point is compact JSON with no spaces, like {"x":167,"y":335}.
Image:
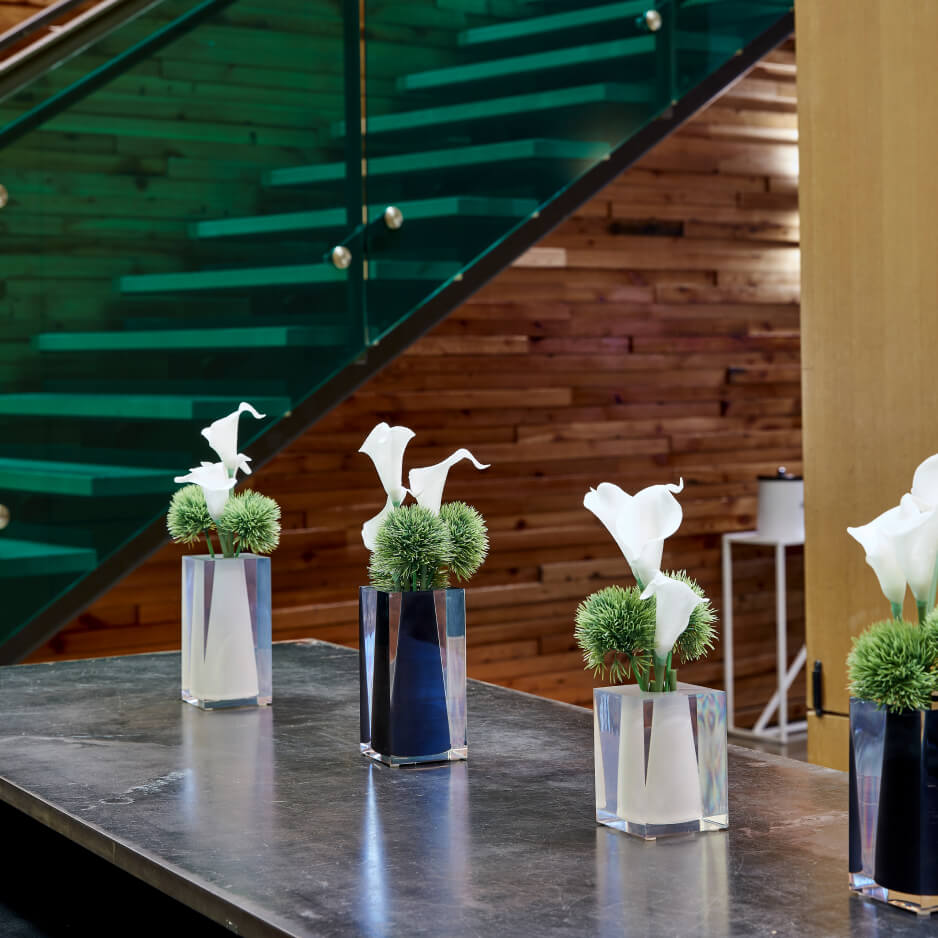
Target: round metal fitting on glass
{"x":650,"y":20}
{"x":341,"y":257}
{"x":393,"y":217}
{"x":4,"y":196}
{"x":4,"y":516}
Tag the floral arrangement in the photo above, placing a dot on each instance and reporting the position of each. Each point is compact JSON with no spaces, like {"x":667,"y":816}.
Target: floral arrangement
{"x":895,"y":663}
{"x":638,"y":629}
{"x":247,"y":521}
{"x":418,"y":546}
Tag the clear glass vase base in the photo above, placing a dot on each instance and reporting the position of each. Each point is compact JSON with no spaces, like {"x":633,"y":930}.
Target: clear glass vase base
{"x":654,"y":831}
{"x":660,"y":760}
{"x":920,"y":905}
{"x":459,"y":754}
{"x":204,"y":704}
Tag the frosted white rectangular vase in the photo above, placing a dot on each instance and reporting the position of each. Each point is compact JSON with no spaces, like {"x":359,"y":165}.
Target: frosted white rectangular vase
{"x":660,"y":760}
{"x":226,"y":631}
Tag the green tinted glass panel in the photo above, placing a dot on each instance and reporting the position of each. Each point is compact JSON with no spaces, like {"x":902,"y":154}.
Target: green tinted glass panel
{"x":155,"y":274}
{"x":481,"y":111}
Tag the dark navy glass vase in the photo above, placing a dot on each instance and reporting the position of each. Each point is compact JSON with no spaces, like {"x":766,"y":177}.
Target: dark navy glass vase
{"x":412,"y":658}
{"x":894,"y":805}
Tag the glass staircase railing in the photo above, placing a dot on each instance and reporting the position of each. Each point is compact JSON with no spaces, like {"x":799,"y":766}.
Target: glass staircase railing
{"x":197,"y":214}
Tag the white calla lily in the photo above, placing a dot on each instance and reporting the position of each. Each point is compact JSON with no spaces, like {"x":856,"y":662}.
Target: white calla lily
{"x":925,"y":481}
{"x":639,"y":523}
{"x":674,"y":602}
{"x":881,"y":555}
{"x":216,"y":484}
{"x":913,"y":530}
{"x":427,"y":484}
{"x":385,"y":447}
{"x":222,"y":436}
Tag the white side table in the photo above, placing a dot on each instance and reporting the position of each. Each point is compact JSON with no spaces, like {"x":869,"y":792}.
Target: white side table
{"x":785,"y":674}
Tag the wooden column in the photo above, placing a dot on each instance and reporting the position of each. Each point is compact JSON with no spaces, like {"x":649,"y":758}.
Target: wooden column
{"x":868,"y":113}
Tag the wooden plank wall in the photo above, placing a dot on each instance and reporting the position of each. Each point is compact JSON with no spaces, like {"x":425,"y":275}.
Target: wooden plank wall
{"x":654,"y":335}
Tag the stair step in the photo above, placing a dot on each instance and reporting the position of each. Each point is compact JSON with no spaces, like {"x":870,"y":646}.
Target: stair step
{"x":538,"y":63}
{"x":255,"y":278}
{"x":538,"y":106}
{"x":32,"y":558}
{"x":434,"y":161}
{"x":132,"y":406}
{"x":419,"y":210}
{"x":556,"y":23}
{"x":245,"y":278}
{"x":148,"y":340}
{"x":63,"y":478}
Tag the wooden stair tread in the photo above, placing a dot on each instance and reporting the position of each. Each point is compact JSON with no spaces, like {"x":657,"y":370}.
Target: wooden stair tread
{"x":534,"y":104}
{"x":64,"y":478}
{"x":34,"y":558}
{"x":132,"y":406}
{"x":418,"y":210}
{"x":245,"y":278}
{"x":480,"y":156}
{"x":540,"y":63}
{"x":146,"y":340}
{"x":551,"y":23}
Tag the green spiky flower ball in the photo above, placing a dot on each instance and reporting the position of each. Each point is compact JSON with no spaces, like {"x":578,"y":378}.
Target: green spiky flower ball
{"x":700,"y":635}
{"x":615,"y":622}
{"x":188,"y":516}
{"x":411,"y":547}
{"x":893,"y":663}
{"x":253,"y":520}
{"x":469,"y":537}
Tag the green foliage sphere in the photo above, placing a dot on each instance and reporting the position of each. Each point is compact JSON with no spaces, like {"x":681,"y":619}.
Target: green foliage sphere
{"x":613,"y":622}
{"x":468,"y":536}
{"x":188,"y":516}
{"x":253,"y":520}
{"x":893,"y":664}
{"x":411,"y":548}
{"x":699,"y":636}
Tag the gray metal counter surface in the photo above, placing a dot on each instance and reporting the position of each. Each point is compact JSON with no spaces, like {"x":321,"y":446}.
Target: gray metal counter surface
{"x":271,"y":822}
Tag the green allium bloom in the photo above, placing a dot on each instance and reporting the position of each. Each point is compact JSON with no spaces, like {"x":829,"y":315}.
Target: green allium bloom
{"x":616,"y":622}
{"x":188,"y":516}
{"x":253,"y":520}
{"x":699,"y":636}
{"x":469,"y":538}
{"x":893,"y":664}
{"x":411,"y":548}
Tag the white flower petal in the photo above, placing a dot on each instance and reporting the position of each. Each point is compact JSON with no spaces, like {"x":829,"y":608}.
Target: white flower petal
{"x":609,"y":502}
{"x":370,"y":528}
{"x":648,"y":563}
{"x":426,"y":484}
{"x":925,"y":481}
{"x":653,"y":515}
{"x":913,"y":531}
{"x":881,"y":555}
{"x":215,"y":483}
{"x":222,"y":436}
{"x":640,"y":523}
{"x":674,"y":602}
{"x":385,"y":447}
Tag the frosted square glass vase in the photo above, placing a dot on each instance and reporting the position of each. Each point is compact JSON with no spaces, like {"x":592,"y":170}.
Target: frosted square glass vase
{"x":894,"y":806}
{"x":412,"y":659}
{"x":226,"y":631}
{"x":660,"y":760}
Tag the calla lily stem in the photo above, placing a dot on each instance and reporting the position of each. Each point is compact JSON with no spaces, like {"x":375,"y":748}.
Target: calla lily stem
{"x":922,"y":611}
{"x":896,"y":610}
{"x":934,"y":586}
{"x":208,"y":540}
